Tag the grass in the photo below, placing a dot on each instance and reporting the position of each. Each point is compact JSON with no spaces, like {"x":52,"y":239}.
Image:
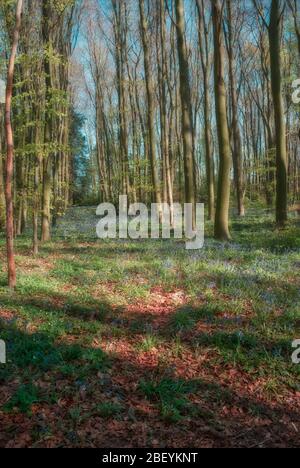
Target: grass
{"x":23,"y":399}
{"x":172,"y":397}
{"x":148,"y":343}
{"x":109,"y":410}
{"x":148,"y":334}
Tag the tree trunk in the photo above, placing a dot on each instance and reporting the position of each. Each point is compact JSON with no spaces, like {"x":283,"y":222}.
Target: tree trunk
{"x":47,"y":166}
{"x":12,"y":279}
{"x":275,"y":30}
{"x":206,"y":67}
{"x":35,"y":216}
{"x":150,"y":102}
{"x":164,"y":112}
{"x":2,"y":189}
{"x":236,"y":134}
{"x":120,"y":33}
{"x":223,"y":198}
{"x":186,"y":107}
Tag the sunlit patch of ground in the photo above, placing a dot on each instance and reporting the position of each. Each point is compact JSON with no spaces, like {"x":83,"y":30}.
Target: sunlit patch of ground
{"x":144,"y":344}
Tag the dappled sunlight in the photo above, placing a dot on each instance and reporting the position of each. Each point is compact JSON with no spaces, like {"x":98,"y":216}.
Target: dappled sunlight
{"x":202,"y":357}
{"x":149,"y":225}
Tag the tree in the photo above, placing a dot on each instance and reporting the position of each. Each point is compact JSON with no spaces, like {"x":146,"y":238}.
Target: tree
{"x":186,"y":106}
{"x":275,"y":33}
{"x":12,"y":278}
{"x":150,"y":103}
{"x":235,"y":126}
{"x":2,"y":188}
{"x":206,"y":64}
{"x":47,"y":15}
{"x":163,"y":77}
{"x":120,"y":33}
{"x":223,"y":198}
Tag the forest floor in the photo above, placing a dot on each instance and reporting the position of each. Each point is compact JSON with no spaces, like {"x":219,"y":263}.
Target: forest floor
{"x":144,"y":344}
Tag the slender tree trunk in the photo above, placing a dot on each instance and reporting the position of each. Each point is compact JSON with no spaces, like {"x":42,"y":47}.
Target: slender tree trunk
{"x":236,"y":134}
{"x":206,"y":67}
{"x":2,"y":189}
{"x":120,"y":32}
{"x":275,"y":31}
{"x":47,"y":166}
{"x":35,"y":237}
{"x":150,"y":102}
{"x":164,"y":111}
{"x":12,"y":279}
{"x":186,"y":106}
{"x":36,"y":197}
{"x":223,"y":199}
{"x":47,"y":190}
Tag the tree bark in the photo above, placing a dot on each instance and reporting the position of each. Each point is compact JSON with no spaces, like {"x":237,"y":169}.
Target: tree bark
{"x":47,"y":163}
{"x":150,"y":102}
{"x":12,"y":278}
{"x":2,"y":188}
{"x":164,"y":112}
{"x":206,"y":68}
{"x":275,"y":31}
{"x":120,"y":33}
{"x":186,"y":106}
{"x":223,"y":198}
{"x":236,"y":134}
